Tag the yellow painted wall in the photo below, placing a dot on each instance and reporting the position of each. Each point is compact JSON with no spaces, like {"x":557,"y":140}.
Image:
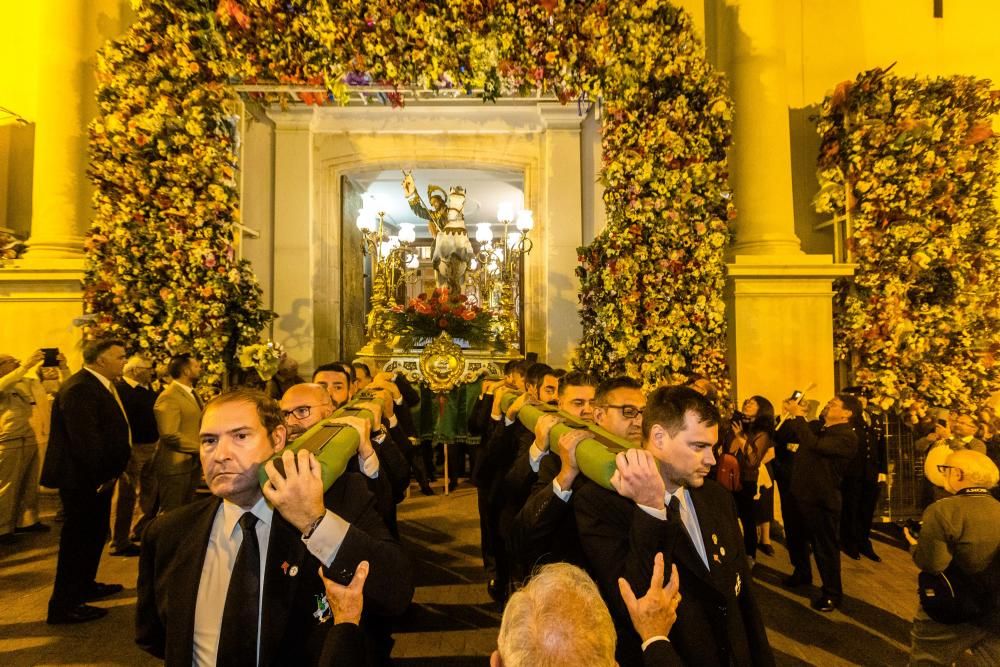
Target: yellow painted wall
{"x":829,"y":41}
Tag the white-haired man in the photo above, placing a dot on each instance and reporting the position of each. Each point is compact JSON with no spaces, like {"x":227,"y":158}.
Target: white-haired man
{"x":558,"y":619}
{"x":960,"y":536}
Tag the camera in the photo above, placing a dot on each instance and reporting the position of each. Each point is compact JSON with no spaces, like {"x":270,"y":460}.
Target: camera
{"x":739,"y":418}
{"x":51,"y":356}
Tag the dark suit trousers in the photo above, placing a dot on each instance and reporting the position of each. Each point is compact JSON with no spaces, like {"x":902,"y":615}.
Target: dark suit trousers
{"x":84,"y":533}
{"x":796,"y":534}
{"x":860,"y":495}
{"x":824,"y":526}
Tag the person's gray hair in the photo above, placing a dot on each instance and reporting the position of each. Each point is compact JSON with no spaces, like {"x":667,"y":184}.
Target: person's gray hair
{"x":977,"y":468}
{"x":557,"y":620}
{"x":134,"y":361}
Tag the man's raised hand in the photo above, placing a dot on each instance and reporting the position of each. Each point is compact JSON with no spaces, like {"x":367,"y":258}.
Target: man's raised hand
{"x":298,"y":494}
{"x":347,"y":601}
{"x":654,"y":614}
{"x":638,"y":478}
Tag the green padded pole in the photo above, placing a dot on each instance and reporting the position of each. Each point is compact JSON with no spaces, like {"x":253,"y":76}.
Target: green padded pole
{"x":595,"y":455}
{"x":333,"y":444}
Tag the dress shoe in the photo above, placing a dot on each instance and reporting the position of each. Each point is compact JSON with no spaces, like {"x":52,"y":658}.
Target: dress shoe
{"x":796,"y":579}
{"x":495,"y":591}
{"x":765,"y":549}
{"x":426,"y":489}
{"x":80,"y":614}
{"x":37,"y":527}
{"x":98,"y":591}
{"x":852,"y":554}
{"x":870,"y":554}
{"x":8,"y":538}
{"x":824,"y":603}
{"x":126,"y":551}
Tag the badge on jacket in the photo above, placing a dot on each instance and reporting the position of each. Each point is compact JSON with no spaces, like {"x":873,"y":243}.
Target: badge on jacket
{"x":323,"y":611}
{"x":739,"y":584}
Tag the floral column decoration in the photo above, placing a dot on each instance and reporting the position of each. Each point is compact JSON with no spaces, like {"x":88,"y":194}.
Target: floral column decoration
{"x":912,"y":165}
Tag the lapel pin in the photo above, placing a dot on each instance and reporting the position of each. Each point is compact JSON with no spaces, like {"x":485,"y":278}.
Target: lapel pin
{"x":294,"y":571}
{"x":284,"y":567}
{"x":715,"y":538}
{"x":715,"y":557}
{"x":722,"y":550}
{"x":739,"y":583}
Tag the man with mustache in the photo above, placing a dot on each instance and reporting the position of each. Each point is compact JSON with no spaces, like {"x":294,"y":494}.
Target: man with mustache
{"x":664,"y":504}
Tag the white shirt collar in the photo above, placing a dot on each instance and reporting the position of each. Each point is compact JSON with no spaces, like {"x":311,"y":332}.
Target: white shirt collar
{"x":105,"y":381}
{"x":231,"y":513}
{"x":186,"y":388}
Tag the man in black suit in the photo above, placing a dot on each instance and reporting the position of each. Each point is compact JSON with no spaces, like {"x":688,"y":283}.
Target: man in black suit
{"x":665,"y":505}
{"x":209,"y":593}
{"x":139,"y":479}
{"x":89,"y":447}
{"x":860,"y":487}
{"x":823,"y":455}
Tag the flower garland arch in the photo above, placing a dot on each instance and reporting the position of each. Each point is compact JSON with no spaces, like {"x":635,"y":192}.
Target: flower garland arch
{"x":914,"y":163}
{"x":161,"y":267}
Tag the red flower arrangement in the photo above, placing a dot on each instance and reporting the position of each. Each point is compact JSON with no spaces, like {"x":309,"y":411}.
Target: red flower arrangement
{"x":426,"y":316}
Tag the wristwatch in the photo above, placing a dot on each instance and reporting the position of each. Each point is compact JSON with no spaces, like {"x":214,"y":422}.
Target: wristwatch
{"x":313,"y":526}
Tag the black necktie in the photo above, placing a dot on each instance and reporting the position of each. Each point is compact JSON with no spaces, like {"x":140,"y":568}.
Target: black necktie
{"x":238,"y":639}
{"x":674,"y":515}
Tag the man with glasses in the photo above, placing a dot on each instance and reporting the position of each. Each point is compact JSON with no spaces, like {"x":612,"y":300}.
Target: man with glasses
{"x":618,"y":407}
{"x":138,"y":397}
{"x":960,"y":536}
{"x":305,"y":405}
{"x":820,"y":462}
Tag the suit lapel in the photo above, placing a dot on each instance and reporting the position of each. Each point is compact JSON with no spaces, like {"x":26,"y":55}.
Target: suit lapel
{"x":285,"y":568}
{"x":191,"y":553}
{"x":708,"y":523}
{"x":686,"y":552}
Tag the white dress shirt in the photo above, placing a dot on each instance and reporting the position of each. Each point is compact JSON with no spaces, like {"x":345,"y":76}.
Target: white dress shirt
{"x":224,"y":543}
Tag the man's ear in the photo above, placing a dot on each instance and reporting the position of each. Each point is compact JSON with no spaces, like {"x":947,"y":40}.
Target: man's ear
{"x":495,"y":660}
{"x":278,"y":437}
{"x":658,"y":436}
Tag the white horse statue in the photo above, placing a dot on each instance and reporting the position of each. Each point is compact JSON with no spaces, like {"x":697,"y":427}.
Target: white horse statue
{"x":446,"y":222}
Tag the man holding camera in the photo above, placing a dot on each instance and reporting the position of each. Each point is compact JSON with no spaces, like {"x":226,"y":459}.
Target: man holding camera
{"x":960,"y":536}
{"x":822,"y":457}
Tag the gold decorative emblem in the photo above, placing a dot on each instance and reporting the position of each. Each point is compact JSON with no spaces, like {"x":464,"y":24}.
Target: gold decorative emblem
{"x":442,"y":364}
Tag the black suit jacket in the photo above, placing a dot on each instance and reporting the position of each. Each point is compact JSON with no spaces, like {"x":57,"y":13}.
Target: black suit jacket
{"x":820,"y":461}
{"x":344,"y":647}
{"x":89,"y":437}
{"x":173,"y":553}
{"x":718,"y":622}
{"x":139,"y":403}
{"x":544,"y":531}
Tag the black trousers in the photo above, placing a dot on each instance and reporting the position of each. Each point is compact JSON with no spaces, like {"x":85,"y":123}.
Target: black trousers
{"x":824,"y":526}
{"x":796,"y":533}
{"x":860,"y":500}
{"x":84,"y":534}
{"x":746,"y":509}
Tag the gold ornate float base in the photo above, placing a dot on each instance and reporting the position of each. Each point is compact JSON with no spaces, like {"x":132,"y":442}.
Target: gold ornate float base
{"x":442,"y":364}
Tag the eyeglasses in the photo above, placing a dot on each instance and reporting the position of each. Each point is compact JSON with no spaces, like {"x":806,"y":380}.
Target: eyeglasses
{"x":300,"y":412}
{"x":628,"y":411}
{"x":943,"y":469}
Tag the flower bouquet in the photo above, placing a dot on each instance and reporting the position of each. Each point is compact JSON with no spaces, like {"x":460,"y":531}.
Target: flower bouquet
{"x":426,"y":316}
{"x":263,"y":358}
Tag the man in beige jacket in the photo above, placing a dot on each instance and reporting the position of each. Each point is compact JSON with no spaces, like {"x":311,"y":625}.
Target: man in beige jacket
{"x":178,"y":417}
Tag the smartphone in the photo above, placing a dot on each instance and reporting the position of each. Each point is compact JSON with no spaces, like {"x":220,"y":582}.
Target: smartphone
{"x":51,"y":356}
{"x":796,"y":396}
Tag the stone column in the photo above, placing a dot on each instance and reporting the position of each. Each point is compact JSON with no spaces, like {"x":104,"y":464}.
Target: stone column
{"x":779,"y":299}
{"x":760,"y":160}
{"x":72,"y":31}
{"x":560,"y":221}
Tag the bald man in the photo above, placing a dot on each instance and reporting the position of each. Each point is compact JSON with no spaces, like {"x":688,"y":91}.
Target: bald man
{"x":307,"y":404}
{"x":960,"y":536}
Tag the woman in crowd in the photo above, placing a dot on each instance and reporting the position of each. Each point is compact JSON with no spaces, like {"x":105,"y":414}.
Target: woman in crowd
{"x":752,"y":440}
